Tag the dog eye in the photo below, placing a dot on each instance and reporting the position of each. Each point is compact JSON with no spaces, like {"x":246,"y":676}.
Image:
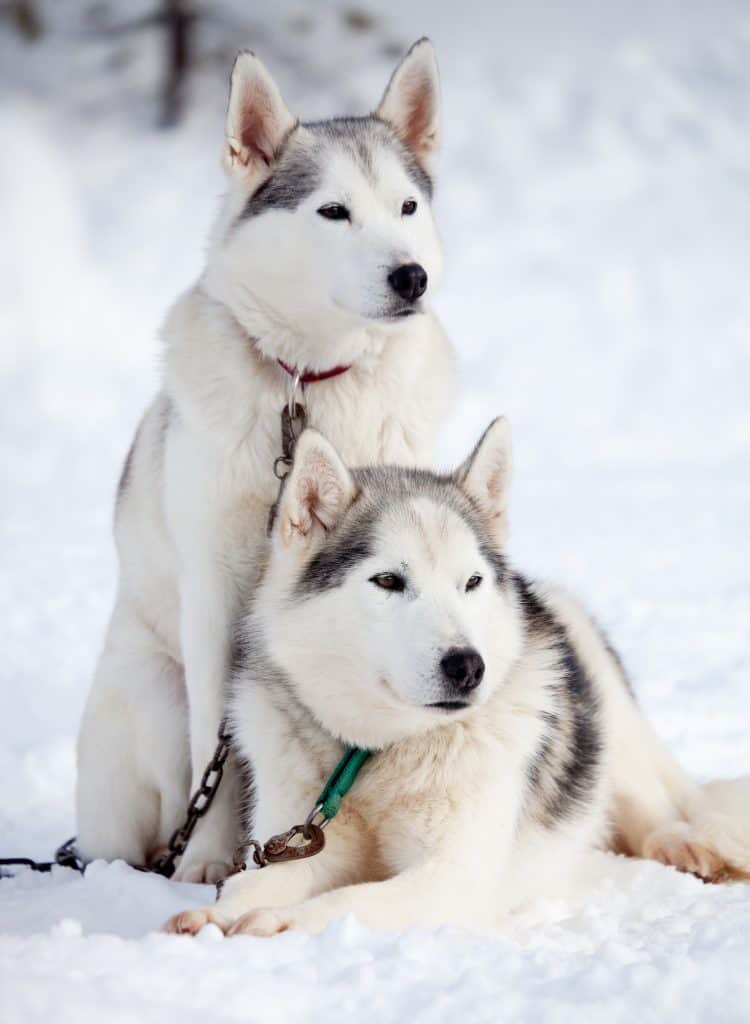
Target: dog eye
{"x":389,"y":581}
{"x":408,"y":207}
{"x":473,"y":582}
{"x":334,"y":211}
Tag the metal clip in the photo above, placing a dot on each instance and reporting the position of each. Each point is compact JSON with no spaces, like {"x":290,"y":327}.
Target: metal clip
{"x":292,"y":425}
{"x":280,"y":848}
{"x":294,"y":383}
{"x":310,"y":819}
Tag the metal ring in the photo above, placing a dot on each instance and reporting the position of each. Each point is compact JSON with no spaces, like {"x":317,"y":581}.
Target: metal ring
{"x":292,"y":397}
{"x":282,"y":460}
{"x":310,"y":819}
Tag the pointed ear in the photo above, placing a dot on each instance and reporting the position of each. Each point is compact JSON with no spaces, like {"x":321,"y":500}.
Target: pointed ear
{"x":258,"y":121}
{"x":485,"y":477}
{"x":411,"y":103}
{"x":318,"y":491}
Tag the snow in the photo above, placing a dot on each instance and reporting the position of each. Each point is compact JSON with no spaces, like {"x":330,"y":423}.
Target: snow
{"x":593,"y":200}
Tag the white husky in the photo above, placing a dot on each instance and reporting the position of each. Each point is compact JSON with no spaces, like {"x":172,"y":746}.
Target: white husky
{"x":320,"y":261}
{"x":509,"y":742}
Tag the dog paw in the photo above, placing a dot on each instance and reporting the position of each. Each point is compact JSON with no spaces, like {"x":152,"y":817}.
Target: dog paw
{"x":261,"y":922}
{"x":190,"y":922}
{"x":209,"y":872}
{"x":681,"y":849}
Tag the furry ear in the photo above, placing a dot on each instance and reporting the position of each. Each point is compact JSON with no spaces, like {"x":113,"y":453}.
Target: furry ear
{"x":411,"y":103}
{"x":318,"y":491}
{"x":258,"y":121}
{"x":485,"y":476}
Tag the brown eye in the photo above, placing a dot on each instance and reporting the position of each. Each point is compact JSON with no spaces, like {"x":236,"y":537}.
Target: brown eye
{"x":408,"y":207}
{"x":334,"y":211}
{"x":389,"y":581}
{"x":473,"y":582}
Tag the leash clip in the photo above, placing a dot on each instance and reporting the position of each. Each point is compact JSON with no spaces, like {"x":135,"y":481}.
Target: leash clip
{"x":293,"y":421}
{"x":294,"y":386}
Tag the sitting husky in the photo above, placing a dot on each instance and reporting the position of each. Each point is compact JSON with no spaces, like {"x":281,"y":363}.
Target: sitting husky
{"x":508,"y":742}
{"x":321,"y":262}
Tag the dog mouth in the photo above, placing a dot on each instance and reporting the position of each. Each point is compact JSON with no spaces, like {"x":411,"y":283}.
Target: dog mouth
{"x":450,"y":705}
{"x":398,"y":313}
{"x":383,"y":315}
{"x":404,"y":311}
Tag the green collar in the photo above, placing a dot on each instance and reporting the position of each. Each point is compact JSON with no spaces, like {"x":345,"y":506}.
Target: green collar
{"x":339,"y":783}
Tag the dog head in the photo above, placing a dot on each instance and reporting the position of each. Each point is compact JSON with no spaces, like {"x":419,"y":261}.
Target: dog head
{"x":327,"y":227}
{"x":386,"y":601}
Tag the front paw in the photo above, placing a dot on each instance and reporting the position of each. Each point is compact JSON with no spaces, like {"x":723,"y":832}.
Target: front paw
{"x":190,"y":922}
{"x":263,"y":922}
{"x":200,"y":870}
{"x":677,"y":847}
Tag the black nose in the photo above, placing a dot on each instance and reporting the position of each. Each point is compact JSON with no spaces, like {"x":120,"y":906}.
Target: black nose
{"x":463,"y":667}
{"x":409,"y":281}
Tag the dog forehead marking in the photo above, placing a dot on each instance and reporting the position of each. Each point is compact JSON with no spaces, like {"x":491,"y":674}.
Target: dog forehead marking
{"x":308,"y":151}
{"x":442,"y":533}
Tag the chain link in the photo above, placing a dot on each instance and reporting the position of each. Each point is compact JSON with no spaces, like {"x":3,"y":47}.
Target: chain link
{"x":199,"y":804}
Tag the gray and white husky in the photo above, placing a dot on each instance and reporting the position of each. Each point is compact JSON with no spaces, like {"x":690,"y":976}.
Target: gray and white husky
{"x":322,"y":260}
{"x":509,"y":742}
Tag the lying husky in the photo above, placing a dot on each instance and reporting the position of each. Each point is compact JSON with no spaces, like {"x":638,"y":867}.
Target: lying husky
{"x":321,"y":261}
{"x":388,"y":617}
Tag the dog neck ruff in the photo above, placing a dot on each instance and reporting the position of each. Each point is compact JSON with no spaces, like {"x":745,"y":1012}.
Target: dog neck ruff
{"x":307,"y":377}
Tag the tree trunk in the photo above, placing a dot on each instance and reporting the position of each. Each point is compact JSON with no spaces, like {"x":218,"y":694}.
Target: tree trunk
{"x":26,"y":19}
{"x":178,"y":22}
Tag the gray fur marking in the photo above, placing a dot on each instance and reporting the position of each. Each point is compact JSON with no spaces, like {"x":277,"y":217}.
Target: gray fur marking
{"x":567,"y":764}
{"x":299,"y":169}
{"x":381,"y":490}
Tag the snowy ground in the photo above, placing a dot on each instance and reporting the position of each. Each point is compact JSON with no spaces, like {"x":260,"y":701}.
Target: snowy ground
{"x":595,"y":204}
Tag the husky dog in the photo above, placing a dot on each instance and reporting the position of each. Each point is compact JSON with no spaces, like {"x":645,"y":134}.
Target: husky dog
{"x":509,"y":742}
{"x":321,"y":262}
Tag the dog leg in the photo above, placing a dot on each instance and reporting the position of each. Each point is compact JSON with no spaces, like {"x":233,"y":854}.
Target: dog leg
{"x":205,"y":626}
{"x":460,"y":881}
{"x":347,"y":858}
{"x":276,"y":885}
{"x":132,"y":780}
{"x":660,"y":813}
{"x":424,"y":896}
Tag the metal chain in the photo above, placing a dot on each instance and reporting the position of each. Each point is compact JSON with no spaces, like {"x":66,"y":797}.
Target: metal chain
{"x":68,"y":857}
{"x":199,"y":804}
{"x":293,"y":422}
{"x":65,"y":856}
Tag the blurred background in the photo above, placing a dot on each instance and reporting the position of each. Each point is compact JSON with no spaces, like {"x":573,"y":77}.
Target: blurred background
{"x":594,"y":199}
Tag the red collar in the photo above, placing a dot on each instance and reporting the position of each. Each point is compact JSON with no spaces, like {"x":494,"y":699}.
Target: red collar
{"x":313,"y":378}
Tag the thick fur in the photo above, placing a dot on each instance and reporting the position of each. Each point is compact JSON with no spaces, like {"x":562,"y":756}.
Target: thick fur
{"x":282,"y":281}
{"x":466,"y":814}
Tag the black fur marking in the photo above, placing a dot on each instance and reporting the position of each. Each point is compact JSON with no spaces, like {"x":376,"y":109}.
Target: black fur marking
{"x":336,"y":559}
{"x":580,"y":767}
{"x":295,"y":179}
{"x":566,"y":766}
